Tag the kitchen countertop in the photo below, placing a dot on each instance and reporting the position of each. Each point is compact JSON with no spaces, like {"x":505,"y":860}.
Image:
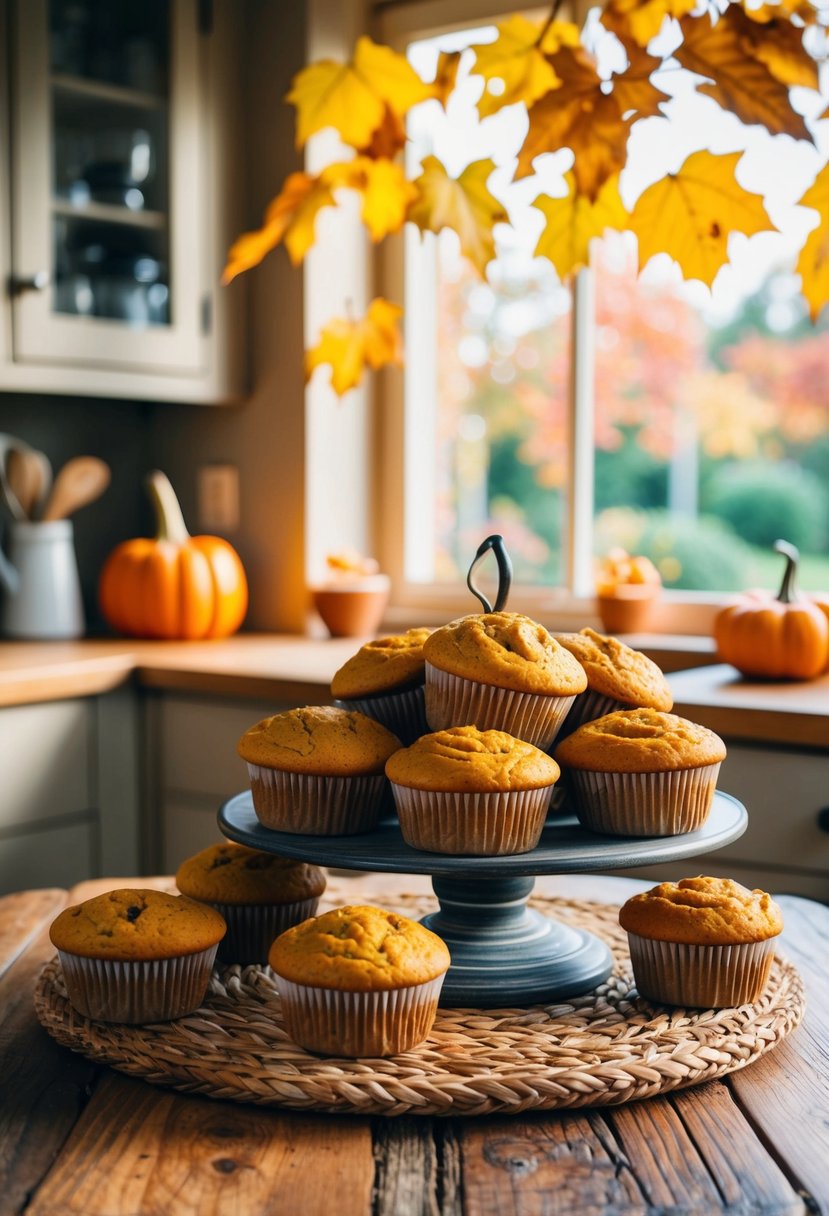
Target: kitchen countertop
{"x":82,"y":1138}
{"x":294,"y":668}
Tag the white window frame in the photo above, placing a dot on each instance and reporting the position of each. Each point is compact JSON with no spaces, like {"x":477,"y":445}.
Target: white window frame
{"x":564,"y":608}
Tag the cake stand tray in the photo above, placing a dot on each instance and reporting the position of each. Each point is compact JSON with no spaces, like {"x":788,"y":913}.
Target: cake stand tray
{"x":503,"y":952}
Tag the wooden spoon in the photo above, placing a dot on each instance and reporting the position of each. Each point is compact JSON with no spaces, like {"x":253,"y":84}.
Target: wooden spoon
{"x":28,"y":474}
{"x":80,"y":481}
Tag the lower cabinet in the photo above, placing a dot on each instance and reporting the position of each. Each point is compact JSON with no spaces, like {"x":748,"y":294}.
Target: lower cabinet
{"x":785,"y":848}
{"x":69,"y":800}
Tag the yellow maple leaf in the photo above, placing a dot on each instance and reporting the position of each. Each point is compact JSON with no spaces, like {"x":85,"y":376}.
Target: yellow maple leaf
{"x":580,"y":116}
{"x":517,"y":61}
{"x":290,"y":217}
{"x":778,"y":45}
{"x":633,"y":89}
{"x":573,"y":221}
{"x":446,"y":75}
{"x":690,"y":215}
{"x":386,"y":191}
{"x":741,"y":83}
{"x":350,"y":346}
{"x":352,"y":97}
{"x":388,"y":139}
{"x":813,"y":263}
{"x":642,"y":20}
{"x":804,"y":9}
{"x":463,"y":204}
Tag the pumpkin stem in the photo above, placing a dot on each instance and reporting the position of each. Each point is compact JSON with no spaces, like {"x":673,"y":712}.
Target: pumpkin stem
{"x":787,"y":593}
{"x":170,"y":523}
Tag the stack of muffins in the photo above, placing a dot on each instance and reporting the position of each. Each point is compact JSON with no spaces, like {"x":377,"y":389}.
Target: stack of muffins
{"x":470,"y":726}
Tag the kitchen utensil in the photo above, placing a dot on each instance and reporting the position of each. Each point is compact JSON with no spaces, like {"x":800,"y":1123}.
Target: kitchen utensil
{"x":26,"y":474}
{"x":8,"y":443}
{"x":42,"y":594}
{"x":80,"y":481}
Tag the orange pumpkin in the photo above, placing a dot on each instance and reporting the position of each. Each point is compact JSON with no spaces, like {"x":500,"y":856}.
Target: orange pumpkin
{"x":822,"y":601}
{"x":783,"y":638}
{"x":177,"y":585}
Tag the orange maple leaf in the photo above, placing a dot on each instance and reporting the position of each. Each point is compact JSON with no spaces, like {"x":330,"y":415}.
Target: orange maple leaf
{"x":352,"y":97}
{"x":813,"y":263}
{"x":633,"y":89}
{"x":580,"y":116}
{"x":350,"y":346}
{"x":804,"y":9}
{"x":740,"y":82}
{"x":641,"y":20}
{"x":463,"y":204}
{"x":290,"y":217}
{"x":446,"y":75}
{"x":388,"y":139}
{"x":690,"y":215}
{"x":778,"y":45}
{"x":573,"y":221}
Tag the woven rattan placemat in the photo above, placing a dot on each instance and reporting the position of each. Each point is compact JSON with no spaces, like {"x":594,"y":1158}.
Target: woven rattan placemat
{"x":604,"y":1048}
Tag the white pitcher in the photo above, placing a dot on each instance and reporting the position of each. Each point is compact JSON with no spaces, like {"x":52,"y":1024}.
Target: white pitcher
{"x":40,"y":583}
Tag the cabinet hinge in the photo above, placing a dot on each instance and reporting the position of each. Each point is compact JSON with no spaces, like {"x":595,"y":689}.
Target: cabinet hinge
{"x":205,"y":16}
{"x":206,"y":314}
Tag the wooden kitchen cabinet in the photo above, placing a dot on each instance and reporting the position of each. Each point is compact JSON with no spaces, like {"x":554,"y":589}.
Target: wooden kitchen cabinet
{"x":69,"y":802}
{"x":118,"y":145}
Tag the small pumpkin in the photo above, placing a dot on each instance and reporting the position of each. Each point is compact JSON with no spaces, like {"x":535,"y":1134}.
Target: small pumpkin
{"x":782,"y":638}
{"x":176,"y":585}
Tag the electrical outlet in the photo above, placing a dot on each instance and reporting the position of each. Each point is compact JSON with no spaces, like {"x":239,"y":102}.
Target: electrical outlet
{"x":218,"y":497}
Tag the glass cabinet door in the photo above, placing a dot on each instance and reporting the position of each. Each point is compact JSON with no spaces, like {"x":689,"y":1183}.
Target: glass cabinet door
{"x":108,"y":214}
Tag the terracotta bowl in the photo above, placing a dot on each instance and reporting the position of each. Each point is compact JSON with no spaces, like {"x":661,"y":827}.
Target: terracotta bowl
{"x":628,"y":609}
{"x":352,"y":612}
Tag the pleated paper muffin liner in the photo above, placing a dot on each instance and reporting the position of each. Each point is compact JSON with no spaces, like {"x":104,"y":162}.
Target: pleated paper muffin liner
{"x":335,"y":1023}
{"x":644,"y":804}
{"x":141,"y":990}
{"x":251,"y":928}
{"x":455,"y":701}
{"x":701,"y":977}
{"x":586,"y":707}
{"x":403,"y":713}
{"x":315,"y":805}
{"x":490,"y":824}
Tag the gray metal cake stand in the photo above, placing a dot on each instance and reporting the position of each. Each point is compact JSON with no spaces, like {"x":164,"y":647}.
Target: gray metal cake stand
{"x":504,"y":953}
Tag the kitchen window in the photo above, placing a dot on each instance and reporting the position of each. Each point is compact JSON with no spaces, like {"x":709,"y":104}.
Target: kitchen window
{"x":640,"y":412}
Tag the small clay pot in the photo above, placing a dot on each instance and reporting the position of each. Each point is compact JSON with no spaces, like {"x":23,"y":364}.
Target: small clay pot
{"x":352,"y":612}
{"x":628,"y":609}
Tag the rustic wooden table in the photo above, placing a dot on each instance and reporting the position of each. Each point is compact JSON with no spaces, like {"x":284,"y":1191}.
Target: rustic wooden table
{"x":79,"y":1138}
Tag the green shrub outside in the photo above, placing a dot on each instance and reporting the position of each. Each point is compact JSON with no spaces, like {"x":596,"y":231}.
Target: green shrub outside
{"x":762,"y":501}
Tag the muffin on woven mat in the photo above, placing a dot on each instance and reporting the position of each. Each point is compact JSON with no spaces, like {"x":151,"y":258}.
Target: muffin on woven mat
{"x":641,"y":772}
{"x":132,"y":955}
{"x":260,"y":895}
{"x":500,"y":671}
{"x":472,"y":792}
{"x":702,"y":942}
{"x":317,"y":770}
{"x":618,"y":677}
{"x":384,"y":680}
{"x":359,"y":981}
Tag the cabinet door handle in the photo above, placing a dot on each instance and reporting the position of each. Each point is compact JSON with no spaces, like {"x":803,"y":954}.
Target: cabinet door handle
{"x":39,"y":281}
{"x":823,"y":819}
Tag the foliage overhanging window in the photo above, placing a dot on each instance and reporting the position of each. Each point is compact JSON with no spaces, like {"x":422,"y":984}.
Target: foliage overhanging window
{"x":711,"y":427}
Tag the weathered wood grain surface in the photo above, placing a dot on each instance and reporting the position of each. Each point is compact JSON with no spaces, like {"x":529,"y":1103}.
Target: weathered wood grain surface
{"x":87,"y":1141}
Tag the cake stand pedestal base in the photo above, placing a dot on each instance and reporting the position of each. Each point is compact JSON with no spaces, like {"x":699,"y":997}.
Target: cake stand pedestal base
{"x":505,"y":953}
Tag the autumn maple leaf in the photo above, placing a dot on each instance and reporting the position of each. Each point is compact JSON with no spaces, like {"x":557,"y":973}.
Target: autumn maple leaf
{"x":352,"y":97}
{"x":740,"y":82}
{"x":385,"y":189}
{"x":634,"y":89}
{"x":446,"y":75}
{"x":641,"y":20}
{"x":778,"y":45}
{"x":463,"y":204}
{"x":813,"y":263}
{"x":350,"y":346}
{"x":573,"y":221}
{"x":290,"y":217}
{"x":518,"y":60}
{"x":690,"y":215}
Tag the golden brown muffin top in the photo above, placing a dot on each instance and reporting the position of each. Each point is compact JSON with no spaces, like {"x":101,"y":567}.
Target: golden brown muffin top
{"x":702,"y":911}
{"x":132,"y":924}
{"x":359,"y":949}
{"x":464,"y":758}
{"x":507,"y":650}
{"x":383,"y":665}
{"x":229,"y":873}
{"x":320,"y":740}
{"x":618,"y":671}
{"x":640,"y":741}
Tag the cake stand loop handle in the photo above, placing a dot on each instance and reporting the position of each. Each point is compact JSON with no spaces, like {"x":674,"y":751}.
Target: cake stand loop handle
{"x":496,"y":544}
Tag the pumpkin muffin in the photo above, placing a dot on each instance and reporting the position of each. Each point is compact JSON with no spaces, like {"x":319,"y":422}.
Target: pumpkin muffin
{"x":501,"y":671}
{"x":133,"y":955}
{"x":317,"y":770}
{"x":359,"y":981}
{"x":260,"y":895}
{"x":704,"y":942}
{"x":641,"y":772}
{"x":385,"y":680}
{"x":618,"y":677}
{"x":472,"y":792}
